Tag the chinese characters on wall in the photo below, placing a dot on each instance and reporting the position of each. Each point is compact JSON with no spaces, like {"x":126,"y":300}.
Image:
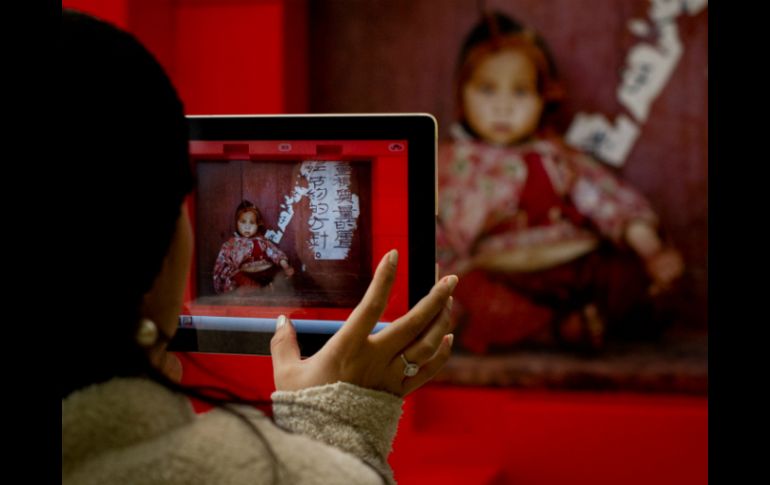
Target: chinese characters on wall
{"x":334,"y":209}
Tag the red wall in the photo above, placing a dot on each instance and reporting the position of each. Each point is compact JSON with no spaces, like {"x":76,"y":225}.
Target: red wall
{"x":250,"y":57}
{"x":496,"y":436}
{"x":115,"y":11}
{"x":229,"y":57}
{"x":225,"y":57}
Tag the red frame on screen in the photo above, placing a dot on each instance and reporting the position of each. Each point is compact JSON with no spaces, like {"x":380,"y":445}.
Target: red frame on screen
{"x":389,"y":213}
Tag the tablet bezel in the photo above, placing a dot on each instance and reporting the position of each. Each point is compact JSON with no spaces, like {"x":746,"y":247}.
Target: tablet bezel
{"x":421,"y":132}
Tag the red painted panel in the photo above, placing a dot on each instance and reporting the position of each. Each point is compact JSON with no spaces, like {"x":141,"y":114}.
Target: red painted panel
{"x":295,"y":38}
{"x":534,"y":438}
{"x":390,"y":225}
{"x":114,"y":11}
{"x":153,"y":22}
{"x":229,"y":57}
{"x":248,"y":376}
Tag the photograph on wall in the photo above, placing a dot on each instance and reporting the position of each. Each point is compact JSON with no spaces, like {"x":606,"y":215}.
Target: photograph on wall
{"x":572,"y":177}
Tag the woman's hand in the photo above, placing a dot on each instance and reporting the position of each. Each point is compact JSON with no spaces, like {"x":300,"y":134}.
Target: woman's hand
{"x":355,"y":356}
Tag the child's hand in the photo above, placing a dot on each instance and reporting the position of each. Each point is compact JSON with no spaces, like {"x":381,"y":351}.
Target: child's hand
{"x":355,"y":356}
{"x":287,"y":269}
{"x":664,"y":268}
{"x":663,"y":264}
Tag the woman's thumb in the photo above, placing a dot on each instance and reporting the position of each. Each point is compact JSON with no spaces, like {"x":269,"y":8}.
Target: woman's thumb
{"x":283,"y":346}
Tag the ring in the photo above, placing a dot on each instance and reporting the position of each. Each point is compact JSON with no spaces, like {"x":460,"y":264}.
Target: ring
{"x":411,"y":369}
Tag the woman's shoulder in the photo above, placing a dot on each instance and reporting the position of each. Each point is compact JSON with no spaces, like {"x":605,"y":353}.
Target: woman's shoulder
{"x":252,"y":439}
{"x":129,"y":397}
{"x":109,"y":428}
{"x":134,"y":430}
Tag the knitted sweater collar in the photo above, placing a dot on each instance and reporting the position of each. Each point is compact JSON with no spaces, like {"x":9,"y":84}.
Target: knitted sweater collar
{"x":117,"y":414}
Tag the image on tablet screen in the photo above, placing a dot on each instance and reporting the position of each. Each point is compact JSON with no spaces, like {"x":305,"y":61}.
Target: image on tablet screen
{"x":295,"y":227}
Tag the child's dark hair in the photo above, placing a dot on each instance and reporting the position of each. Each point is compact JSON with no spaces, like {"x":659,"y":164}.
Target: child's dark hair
{"x":493,"y":33}
{"x":248,"y":206}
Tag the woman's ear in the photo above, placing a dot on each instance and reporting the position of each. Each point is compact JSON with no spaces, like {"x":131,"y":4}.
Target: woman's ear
{"x":171,"y":366}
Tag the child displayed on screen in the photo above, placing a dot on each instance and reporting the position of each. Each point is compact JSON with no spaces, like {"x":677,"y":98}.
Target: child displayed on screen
{"x":248,"y":259}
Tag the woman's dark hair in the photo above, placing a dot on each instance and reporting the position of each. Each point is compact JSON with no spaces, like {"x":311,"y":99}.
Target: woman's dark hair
{"x":494,"y":32}
{"x":125,"y":144}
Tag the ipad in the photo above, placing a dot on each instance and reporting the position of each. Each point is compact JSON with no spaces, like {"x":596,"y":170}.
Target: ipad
{"x":292,"y":213}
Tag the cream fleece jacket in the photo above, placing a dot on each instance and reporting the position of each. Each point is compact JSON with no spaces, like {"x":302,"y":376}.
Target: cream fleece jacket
{"x":135,"y":431}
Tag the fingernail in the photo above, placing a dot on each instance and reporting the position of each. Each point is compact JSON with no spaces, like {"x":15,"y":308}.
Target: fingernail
{"x":451,"y":282}
{"x":450,"y":338}
{"x":281,"y":321}
{"x":393,"y":257}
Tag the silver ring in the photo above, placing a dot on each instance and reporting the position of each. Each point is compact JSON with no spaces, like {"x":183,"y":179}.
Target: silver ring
{"x":410,"y":369}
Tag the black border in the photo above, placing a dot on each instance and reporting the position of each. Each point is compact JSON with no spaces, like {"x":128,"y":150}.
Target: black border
{"x":421,"y":132}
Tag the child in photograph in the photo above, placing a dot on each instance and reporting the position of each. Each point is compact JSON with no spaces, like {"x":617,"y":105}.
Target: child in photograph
{"x":551,"y":246}
{"x":248,"y":259}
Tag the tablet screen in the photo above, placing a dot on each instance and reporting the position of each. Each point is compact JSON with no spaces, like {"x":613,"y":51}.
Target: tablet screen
{"x":294,"y":226}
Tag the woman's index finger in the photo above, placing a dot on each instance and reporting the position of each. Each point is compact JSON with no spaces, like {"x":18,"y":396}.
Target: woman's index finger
{"x":366,"y":314}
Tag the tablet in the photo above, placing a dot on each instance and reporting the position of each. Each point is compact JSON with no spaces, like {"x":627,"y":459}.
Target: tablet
{"x":291,"y":215}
